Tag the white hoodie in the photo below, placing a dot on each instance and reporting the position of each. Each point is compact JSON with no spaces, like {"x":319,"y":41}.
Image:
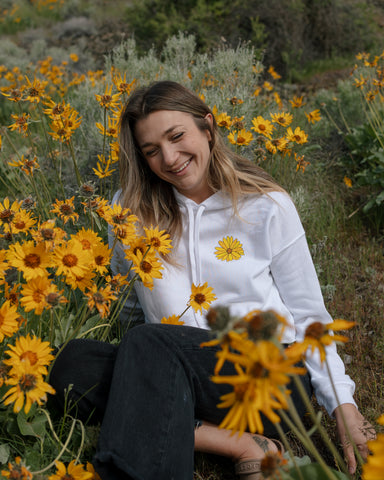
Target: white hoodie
{"x":273,"y":271}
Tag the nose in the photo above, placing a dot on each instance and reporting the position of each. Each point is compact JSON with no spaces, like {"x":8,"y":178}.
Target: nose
{"x":170,"y":155}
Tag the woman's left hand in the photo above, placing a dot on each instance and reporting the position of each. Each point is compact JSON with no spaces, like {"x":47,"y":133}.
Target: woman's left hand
{"x":353,"y":428}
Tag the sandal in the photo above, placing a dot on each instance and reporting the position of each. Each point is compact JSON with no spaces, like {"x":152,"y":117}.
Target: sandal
{"x":251,"y":469}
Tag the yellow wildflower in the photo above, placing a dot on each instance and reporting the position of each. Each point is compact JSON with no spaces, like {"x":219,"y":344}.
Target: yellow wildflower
{"x":262,"y":126}
{"x":172,"y":320}
{"x":21,"y":123}
{"x":313,"y":116}
{"x":72,"y":472}
{"x":318,"y":336}
{"x":30,"y":259}
{"x":240,"y":137}
{"x":65,"y":209}
{"x":284,"y":119}
{"x":297,"y":136}
{"x":27,"y":387}
{"x":148,"y":267}
{"x":17,"y":470}
{"x":32,"y":350}
{"x":201,"y":297}
{"x":8,"y":320}
{"x":107,"y":100}
{"x":159,"y":240}
{"x":348,"y":182}
{"x":100,"y":298}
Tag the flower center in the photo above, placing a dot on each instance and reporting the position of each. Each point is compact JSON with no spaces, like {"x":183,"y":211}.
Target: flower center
{"x":200,"y":298}
{"x":7,"y":215}
{"x":32,"y":260}
{"x":70,"y":260}
{"x":315,"y":330}
{"x":86,"y":244}
{"x":99,"y":260}
{"x":66,"y":209}
{"x":52,"y":298}
{"x":146,"y":267}
{"x":155,"y":242}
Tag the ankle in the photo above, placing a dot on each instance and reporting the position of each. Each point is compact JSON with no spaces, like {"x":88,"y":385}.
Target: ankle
{"x":254,"y":447}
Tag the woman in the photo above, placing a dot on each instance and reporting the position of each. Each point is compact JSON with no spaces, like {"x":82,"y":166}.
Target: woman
{"x":233,"y":227}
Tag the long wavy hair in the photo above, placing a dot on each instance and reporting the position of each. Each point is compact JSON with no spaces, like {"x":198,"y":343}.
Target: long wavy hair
{"x":151,"y":198}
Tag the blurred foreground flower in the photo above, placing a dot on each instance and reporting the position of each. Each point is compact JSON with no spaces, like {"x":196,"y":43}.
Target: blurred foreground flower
{"x":318,"y":336}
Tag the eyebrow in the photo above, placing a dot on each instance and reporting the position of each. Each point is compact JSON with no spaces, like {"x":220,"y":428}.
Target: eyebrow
{"x":164,"y":134}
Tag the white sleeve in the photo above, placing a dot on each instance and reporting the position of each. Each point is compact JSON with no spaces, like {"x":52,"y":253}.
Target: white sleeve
{"x":296,"y":279}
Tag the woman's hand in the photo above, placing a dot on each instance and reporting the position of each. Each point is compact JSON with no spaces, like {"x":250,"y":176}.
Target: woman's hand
{"x":353,"y":428}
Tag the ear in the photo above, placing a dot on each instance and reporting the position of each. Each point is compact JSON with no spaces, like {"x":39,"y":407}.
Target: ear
{"x":209,"y":119}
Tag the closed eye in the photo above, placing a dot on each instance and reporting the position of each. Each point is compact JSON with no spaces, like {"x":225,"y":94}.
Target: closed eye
{"x":150,"y":152}
{"x":177,"y":136}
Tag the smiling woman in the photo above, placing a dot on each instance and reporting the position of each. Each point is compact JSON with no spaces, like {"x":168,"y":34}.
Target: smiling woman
{"x":238,"y":243}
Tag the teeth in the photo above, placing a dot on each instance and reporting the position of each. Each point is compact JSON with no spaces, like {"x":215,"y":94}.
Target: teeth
{"x":181,"y":168}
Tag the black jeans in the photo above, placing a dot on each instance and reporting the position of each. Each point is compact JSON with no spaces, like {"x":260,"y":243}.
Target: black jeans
{"x":146,"y":393}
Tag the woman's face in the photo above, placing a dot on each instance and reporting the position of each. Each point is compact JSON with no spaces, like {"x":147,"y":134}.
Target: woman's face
{"x":177,"y":151}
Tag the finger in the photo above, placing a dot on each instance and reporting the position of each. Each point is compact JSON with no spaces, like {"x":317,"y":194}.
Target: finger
{"x":350,"y":458}
{"x":363,"y":450}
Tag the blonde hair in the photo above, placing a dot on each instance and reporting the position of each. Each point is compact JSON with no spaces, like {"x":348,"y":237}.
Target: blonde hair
{"x":151,"y":198}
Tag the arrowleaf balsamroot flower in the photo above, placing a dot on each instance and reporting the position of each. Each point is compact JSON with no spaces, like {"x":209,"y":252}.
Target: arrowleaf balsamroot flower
{"x":32,"y":350}
{"x":7,"y":211}
{"x":72,"y":472}
{"x":240,"y":137}
{"x":223,"y":120}
{"x":313,"y":116}
{"x":8,"y":320}
{"x":71,"y":259}
{"x":159,"y":240}
{"x":283,"y":118}
{"x":21,"y":123}
{"x":17,"y":470}
{"x":318,"y":336}
{"x":148,"y":267}
{"x":262,"y":126}
{"x":27,"y":387}
{"x":263,"y":371}
{"x":107,"y":100}
{"x":172,"y":320}
{"x":297,"y":136}
{"x":100,"y":298}
{"x":65,"y":209}
{"x":201,"y":297}
{"x":36,"y":295}
{"x":30,"y":259}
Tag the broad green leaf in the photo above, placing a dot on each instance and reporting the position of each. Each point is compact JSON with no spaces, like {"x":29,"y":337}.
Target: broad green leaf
{"x":34,"y":426}
{"x":4,"y":452}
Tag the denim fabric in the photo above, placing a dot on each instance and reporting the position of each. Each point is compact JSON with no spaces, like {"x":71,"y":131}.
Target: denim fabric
{"x":159,"y":385}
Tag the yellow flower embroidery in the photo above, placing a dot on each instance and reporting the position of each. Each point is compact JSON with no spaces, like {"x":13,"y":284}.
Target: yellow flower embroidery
{"x":230,"y":249}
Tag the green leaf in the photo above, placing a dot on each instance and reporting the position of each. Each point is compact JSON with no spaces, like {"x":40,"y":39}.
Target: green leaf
{"x":315,"y":472}
{"x":34,"y":426}
{"x":4,"y":452}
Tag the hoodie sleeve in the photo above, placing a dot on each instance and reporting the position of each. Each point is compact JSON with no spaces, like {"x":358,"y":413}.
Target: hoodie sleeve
{"x":296,"y":279}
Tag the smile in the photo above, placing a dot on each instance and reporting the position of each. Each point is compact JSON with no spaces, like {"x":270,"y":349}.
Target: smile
{"x":182,"y":167}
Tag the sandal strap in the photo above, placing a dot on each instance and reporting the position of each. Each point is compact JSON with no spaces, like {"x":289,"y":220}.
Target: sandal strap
{"x":248,"y":466}
{"x":279,"y":445}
